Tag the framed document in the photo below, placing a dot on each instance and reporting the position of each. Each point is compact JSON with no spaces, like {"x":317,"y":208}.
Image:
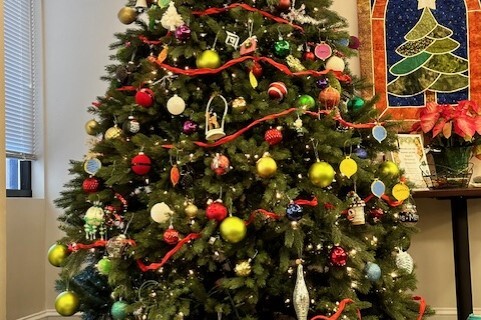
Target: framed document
{"x":412,"y":159}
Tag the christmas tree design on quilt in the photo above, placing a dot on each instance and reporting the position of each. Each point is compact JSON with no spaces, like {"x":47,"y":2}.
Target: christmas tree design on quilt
{"x":428,"y":62}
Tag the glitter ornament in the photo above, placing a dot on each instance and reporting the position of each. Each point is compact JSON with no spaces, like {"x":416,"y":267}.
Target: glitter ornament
{"x":171,"y":236}
{"x":191,"y":210}
{"x":273,"y":136}
{"x":113,"y":133}
{"x":355,"y":103}
{"x":175,"y":105}
{"x":373,"y":271}
{"x":90,"y":185}
{"x":335,"y":63}
{"x":321,"y":174}
{"x":282,"y":48}
{"x":116,"y":245}
{"x":104,"y":266}
{"x":305,"y":101}
{"x":294,"y":212}
{"x":183,"y":32}
{"x":277,"y":90}
{"x":131,"y":126}
{"x":300,"y":297}
{"x":171,"y":19}
{"x":144,"y":97}
{"x":67,"y":303}
{"x":233,"y":229}
{"x":57,"y":254}
{"x":161,"y":212}
{"x":405,"y":262}
{"x":338,"y":256}
{"x":239,"y":104}
{"x":216,"y":210}
{"x":295,"y":64}
{"x":208,"y":59}
{"x":266,"y":167}
{"x":243,"y":269}
{"x":189,"y":127}
{"x":92,"y":127}
{"x":119,"y":310}
{"x":220,"y":164}
{"x":329,"y":97}
{"x":322,"y":83}
{"x":141,"y":164}
{"x":127,"y":15}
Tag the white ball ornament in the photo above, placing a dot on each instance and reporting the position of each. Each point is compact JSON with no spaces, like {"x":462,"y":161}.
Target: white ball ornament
{"x":176,"y":105}
{"x":335,"y":63}
{"x":161,"y":212}
{"x":405,"y":262}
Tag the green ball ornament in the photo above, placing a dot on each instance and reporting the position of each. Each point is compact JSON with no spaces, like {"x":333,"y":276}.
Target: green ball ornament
{"x":104,"y":266}
{"x":119,"y":310}
{"x":355,"y":103}
{"x":57,"y":254}
{"x":233,"y":229}
{"x":305,"y":101}
{"x":67,"y":303}
{"x":388,"y":169}
{"x":282,"y":48}
{"x":321,"y":174}
{"x":208,"y":59}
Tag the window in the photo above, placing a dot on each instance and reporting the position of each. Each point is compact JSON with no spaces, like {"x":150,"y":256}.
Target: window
{"x":21,"y":94}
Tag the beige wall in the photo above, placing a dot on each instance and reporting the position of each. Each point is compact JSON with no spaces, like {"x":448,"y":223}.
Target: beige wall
{"x":76,"y":39}
{"x":3,"y":237}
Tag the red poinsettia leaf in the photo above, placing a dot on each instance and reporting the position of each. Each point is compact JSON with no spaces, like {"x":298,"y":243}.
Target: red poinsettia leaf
{"x":464,"y":126}
{"x":438,"y":127}
{"x":447,"y":129}
{"x":477,"y":124}
{"x":429,"y":120}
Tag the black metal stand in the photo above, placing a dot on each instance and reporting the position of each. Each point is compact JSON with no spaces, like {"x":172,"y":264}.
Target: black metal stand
{"x":462,"y":264}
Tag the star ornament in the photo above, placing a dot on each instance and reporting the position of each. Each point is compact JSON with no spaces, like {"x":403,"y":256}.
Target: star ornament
{"x":427,"y":4}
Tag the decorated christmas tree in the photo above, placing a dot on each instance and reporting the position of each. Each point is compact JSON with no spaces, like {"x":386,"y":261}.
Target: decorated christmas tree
{"x":235,"y":173}
{"x":428,"y":61}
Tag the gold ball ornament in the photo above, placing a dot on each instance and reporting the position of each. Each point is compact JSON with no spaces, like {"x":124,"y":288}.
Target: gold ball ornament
{"x":191,"y":210}
{"x":321,"y":174}
{"x":388,"y":169}
{"x":243,"y":269}
{"x":113,"y":133}
{"x":208,"y":59}
{"x":67,"y":303}
{"x":91,"y":127}
{"x":233,"y":229}
{"x":329,"y":97}
{"x":266,"y":167}
{"x":127,"y":15}
{"x":57,"y":254}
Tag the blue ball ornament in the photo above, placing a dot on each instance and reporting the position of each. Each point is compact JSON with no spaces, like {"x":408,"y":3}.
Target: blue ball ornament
{"x":360,"y":152}
{"x":373,"y":271}
{"x":294,"y":212}
{"x":119,"y":310}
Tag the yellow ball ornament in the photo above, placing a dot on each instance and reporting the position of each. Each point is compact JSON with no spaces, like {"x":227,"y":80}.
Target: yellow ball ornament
{"x":388,"y":169}
{"x":208,"y":59}
{"x":266,"y":167}
{"x":191,"y":210}
{"x":113,"y":133}
{"x":67,"y":303}
{"x":91,"y":127}
{"x":127,"y":15}
{"x":321,"y":174}
{"x":233,"y":229}
{"x":57,"y":254}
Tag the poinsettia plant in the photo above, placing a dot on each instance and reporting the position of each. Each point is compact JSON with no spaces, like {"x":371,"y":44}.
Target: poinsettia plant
{"x":449,"y":125}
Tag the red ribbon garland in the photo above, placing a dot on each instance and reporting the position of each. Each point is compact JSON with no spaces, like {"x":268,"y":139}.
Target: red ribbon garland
{"x":386,"y":198}
{"x":74,"y":247}
{"x":246,"y":7}
{"x":422,"y":306}
{"x":310,"y":203}
{"x":155,"y":266}
{"x":265,"y":213}
{"x":338,"y":117}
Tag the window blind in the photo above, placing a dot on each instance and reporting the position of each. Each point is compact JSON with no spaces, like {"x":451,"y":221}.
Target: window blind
{"x":20,"y":78}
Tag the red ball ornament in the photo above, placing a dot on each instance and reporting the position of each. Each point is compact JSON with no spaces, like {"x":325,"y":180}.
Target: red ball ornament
{"x":141,"y":164}
{"x":257,"y":69}
{"x":216,"y":211}
{"x":273,"y":136}
{"x":283,"y":5}
{"x":277,"y":90}
{"x":90,"y":185}
{"x":144,"y":97}
{"x":376,"y":213}
{"x":171,"y":236}
{"x":309,"y":55}
{"x":329,"y":97}
{"x":220,"y":164}
{"x":338,"y":256}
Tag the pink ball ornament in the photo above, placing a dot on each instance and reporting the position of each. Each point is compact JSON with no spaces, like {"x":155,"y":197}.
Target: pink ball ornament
{"x":182,"y":32}
{"x":277,"y":90}
{"x":144,"y":97}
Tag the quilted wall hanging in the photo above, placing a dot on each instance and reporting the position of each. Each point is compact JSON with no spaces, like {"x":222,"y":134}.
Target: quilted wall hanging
{"x":414,"y":51}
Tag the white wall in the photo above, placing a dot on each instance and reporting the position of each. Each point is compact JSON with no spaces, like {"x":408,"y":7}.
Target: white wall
{"x":76,"y":39}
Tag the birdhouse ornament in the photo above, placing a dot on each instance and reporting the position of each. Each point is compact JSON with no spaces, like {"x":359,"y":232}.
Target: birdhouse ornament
{"x":214,"y":127}
{"x":356,"y":213}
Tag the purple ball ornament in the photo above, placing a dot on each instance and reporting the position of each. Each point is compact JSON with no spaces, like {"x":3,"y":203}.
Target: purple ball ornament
{"x":322,"y":83}
{"x":182,"y":32}
{"x":189,"y":127}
